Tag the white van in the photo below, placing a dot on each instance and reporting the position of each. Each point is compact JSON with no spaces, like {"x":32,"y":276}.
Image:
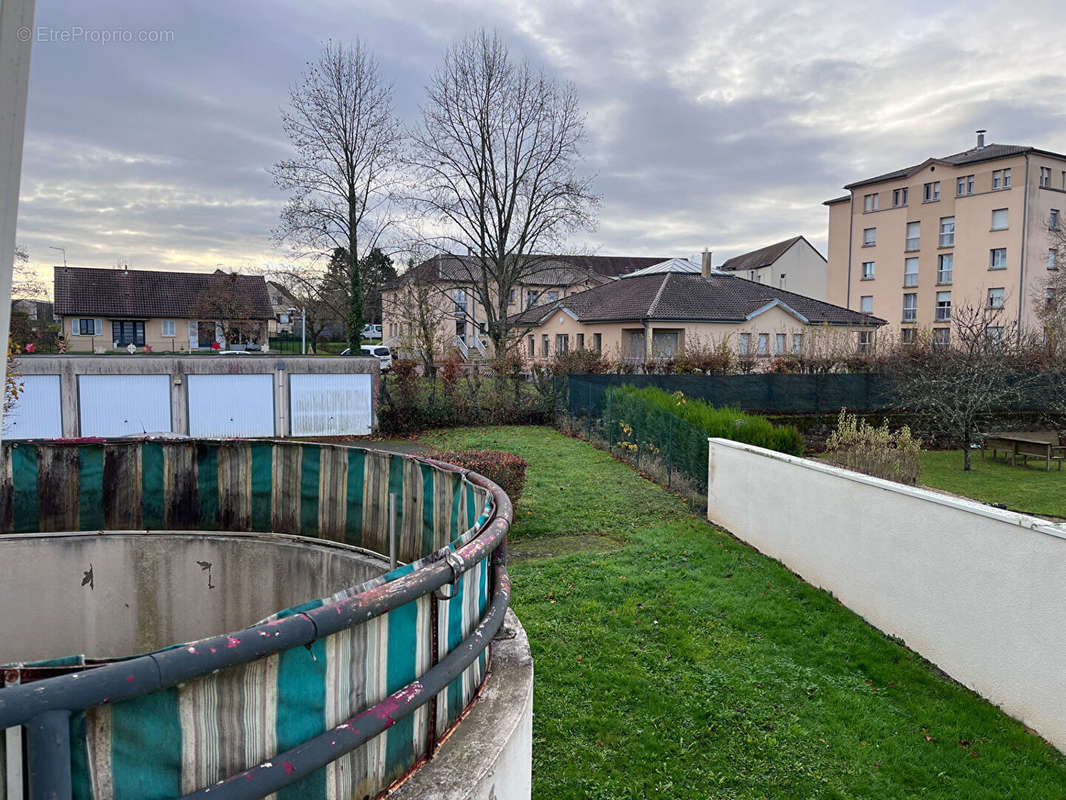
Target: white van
{"x":380,"y":352}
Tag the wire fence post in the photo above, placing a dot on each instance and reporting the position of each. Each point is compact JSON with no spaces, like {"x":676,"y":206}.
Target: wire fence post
{"x":670,"y":455}
{"x":590,"y":413}
{"x":636,"y":429}
{"x":610,"y":424}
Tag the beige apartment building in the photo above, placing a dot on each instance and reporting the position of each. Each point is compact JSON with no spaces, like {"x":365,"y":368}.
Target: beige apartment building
{"x":970,"y":229}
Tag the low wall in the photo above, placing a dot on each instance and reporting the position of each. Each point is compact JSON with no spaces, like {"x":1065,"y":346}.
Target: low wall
{"x":978,"y":591}
{"x":205,"y":395}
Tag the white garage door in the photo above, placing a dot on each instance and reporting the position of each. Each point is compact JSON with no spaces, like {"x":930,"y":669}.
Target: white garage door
{"x":123,"y":405}
{"x":36,"y":414}
{"x":231,"y":405}
{"x":330,"y":405}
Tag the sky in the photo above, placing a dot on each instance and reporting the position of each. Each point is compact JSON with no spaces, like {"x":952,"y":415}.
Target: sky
{"x":720,"y":125}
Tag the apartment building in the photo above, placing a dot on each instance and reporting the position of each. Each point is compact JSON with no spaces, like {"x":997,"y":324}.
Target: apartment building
{"x":970,"y":229}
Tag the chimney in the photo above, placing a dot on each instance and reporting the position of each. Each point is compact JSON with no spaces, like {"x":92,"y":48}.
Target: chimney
{"x":705,"y":265}
{"x":981,"y":138}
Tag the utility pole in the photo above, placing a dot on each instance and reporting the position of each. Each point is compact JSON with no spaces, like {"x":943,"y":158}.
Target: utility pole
{"x":303,"y":330}
{"x":63,"y":250}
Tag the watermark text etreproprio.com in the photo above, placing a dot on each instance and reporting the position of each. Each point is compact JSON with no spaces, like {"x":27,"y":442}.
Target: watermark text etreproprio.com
{"x":76,"y":34}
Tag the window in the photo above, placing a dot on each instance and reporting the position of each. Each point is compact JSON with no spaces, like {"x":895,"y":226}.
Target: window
{"x":1053,"y":220}
{"x":1045,"y":177}
{"x":169,"y":328}
{"x":581,"y":341}
{"x":941,"y":338}
{"x":945,"y":263}
{"x":899,"y":197}
{"x":943,"y":306}
{"x":906,"y":337}
{"x":867,"y":270}
{"x":866,"y":304}
{"x":1064,"y":179}
{"x":552,"y":297}
{"x":125,"y":332}
{"x":460,"y":301}
{"x":869,"y":237}
{"x":1000,"y":179}
{"x":544,"y":345}
{"x":866,"y":339}
{"x":86,"y":327}
{"x":562,"y":342}
{"x":947,"y":231}
{"x":1051,"y":259}
{"x":780,"y":341}
{"x":910,"y":271}
{"x":932,"y":191}
{"x":532,"y":346}
{"x":510,"y":297}
{"x":999,"y":219}
{"x":914,"y":232}
{"x":910,"y":307}
{"x":870,"y":202}
{"x":797,"y":342}
{"x":781,"y":283}
{"x":964,"y":185}
{"x":597,"y":342}
{"x":744,"y":344}
{"x":764,"y":344}
{"x":996,"y":298}
{"x":997,"y":258}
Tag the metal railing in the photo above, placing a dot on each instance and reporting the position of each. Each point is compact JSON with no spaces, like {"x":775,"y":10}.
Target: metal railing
{"x":44,"y":707}
{"x":461,"y":346}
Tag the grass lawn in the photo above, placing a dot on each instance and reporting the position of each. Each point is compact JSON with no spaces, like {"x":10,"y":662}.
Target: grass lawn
{"x":675,"y":661}
{"x":1029,"y":488}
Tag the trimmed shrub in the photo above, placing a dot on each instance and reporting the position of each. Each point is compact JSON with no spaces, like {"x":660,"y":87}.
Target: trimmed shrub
{"x":505,"y":469}
{"x":859,"y":446}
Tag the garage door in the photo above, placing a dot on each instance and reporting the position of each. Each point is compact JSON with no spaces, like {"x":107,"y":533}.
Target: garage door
{"x":330,"y":405}
{"x":124,"y":405}
{"x":36,"y":414}
{"x":231,"y":405}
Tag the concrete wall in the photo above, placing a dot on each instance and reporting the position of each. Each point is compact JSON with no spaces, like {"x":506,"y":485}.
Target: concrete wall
{"x":489,"y":756}
{"x":70,"y":367}
{"x":978,"y":591}
{"x":150,"y":590}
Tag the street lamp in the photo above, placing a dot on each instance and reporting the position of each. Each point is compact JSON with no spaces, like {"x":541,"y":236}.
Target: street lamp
{"x":62,"y":250}
{"x":303,"y":328}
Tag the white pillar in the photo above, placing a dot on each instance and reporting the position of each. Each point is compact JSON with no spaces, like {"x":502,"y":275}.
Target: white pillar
{"x":16,"y":40}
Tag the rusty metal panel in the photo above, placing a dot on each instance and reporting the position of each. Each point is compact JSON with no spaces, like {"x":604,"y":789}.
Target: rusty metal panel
{"x":124,"y":405}
{"x":330,"y":405}
{"x":231,"y":405}
{"x":36,"y":414}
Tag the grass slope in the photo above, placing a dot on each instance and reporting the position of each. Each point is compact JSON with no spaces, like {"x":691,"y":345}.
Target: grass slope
{"x":687,"y":665}
{"x":1029,"y":488}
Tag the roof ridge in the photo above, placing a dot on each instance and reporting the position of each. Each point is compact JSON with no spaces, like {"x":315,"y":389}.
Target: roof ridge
{"x":658,"y":294}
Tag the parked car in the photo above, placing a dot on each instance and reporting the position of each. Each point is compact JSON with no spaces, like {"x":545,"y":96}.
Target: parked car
{"x":371,"y":331}
{"x":380,"y":352}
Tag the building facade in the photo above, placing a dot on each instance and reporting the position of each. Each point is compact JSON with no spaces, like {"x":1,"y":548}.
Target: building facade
{"x":974,"y":229}
{"x":110,"y":309}
{"x":655,"y":313}
{"x":794,"y":264}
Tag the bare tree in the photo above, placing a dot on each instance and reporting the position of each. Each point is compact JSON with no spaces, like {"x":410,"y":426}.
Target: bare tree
{"x":225,"y":302}
{"x":320,"y":303}
{"x":956,"y":385}
{"x":341,"y":124}
{"x":496,"y":160}
{"x":420,"y":312}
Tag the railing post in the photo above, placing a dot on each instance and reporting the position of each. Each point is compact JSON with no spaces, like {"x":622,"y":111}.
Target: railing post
{"x":48,"y":755}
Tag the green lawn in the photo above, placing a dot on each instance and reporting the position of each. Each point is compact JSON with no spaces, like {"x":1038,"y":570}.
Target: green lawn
{"x":681,"y":663}
{"x":1030,"y":488}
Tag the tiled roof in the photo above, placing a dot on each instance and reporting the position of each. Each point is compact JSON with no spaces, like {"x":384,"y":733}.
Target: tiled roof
{"x":987,"y":153}
{"x":683,"y":297}
{"x":673,"y":265}
{"x":149,"y":293}
{"x":762,"y":257}
{"x":553,"y":270}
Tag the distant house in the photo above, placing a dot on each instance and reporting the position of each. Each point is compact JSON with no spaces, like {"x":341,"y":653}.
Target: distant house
{"x":281,"y":303}
{"x":793,"y":264}
{"x":653,"y":312}
{"x":38,"y":312}
{"x":107,"y":309}
{"x":462,"y":325}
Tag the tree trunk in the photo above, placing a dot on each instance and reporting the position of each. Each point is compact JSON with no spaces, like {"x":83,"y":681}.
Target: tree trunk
{"x":355,"y":286}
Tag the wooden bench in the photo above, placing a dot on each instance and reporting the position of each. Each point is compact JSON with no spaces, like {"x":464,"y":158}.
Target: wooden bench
{"x":1046,"y":445}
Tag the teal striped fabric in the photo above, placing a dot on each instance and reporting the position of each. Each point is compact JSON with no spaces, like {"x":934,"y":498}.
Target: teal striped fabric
{"x":188,"y":737}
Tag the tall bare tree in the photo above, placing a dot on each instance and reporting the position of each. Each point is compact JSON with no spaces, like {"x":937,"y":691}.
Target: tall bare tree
{"x":1051,"y":301}
{"x":341,"y":124}
{"x":496,"y":157}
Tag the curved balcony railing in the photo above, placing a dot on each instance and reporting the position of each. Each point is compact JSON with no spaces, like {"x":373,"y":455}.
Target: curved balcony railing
{"x":340,"y":696}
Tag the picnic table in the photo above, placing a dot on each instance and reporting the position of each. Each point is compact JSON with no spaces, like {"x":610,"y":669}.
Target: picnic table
{"x":1047,"y":445}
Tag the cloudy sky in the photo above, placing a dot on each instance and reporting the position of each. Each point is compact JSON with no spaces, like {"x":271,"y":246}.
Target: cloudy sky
{"x":711,"y":124}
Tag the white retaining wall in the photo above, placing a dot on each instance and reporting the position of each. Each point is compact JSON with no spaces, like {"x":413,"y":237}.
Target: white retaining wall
{"x":978,"y":591}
